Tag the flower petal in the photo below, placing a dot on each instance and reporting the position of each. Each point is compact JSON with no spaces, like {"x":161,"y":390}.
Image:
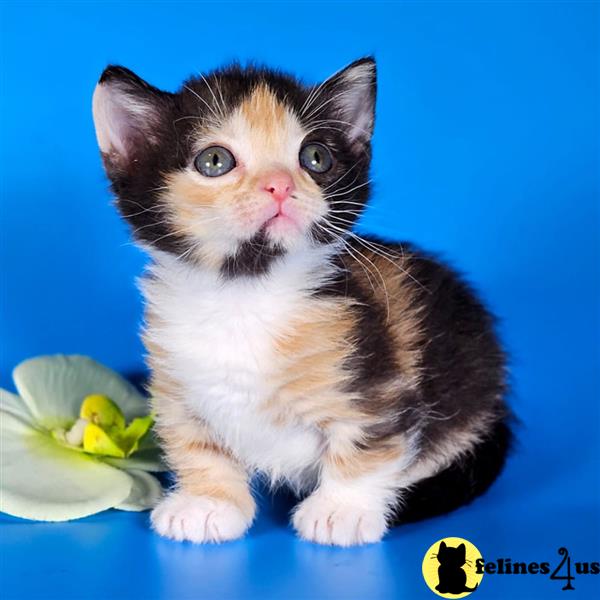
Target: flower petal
{"x":97,"y":441}
{"x":145,"y":493}
{"x":44,"y":481}
{"x":148,"y":459}
{"x":53,"y":388}
{"x":13,"y":404}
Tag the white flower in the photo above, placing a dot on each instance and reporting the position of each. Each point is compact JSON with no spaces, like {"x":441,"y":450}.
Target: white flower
{"x":47,"y":471}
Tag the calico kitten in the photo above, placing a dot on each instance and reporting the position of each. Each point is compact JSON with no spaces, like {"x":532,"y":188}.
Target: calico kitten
{"x":366,"y":376}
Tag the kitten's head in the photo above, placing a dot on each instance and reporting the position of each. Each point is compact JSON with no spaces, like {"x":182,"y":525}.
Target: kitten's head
{"x":240,"y":166}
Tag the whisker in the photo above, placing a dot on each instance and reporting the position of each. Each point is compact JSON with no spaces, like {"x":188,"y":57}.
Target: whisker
{"x":356,"y":213}
{"x":325,"y":127}
{"x":197,"y":117}
{"x":317,"y":91}
{"x":348,"y":191}
{"x":353,"y":125}
{"x":313,"y":95}
{"x":338,"y":202}
{"x":213,"y":95}
{"x":385,"y":254}
{"x":156,"y":189}
{"x":218,"y":82}
{"x":344,"y":175}
{"x":170,"y":234}
{"x":387,"y":298}
{"x":189,"y":89}
{"x":191,"y":249}
{"x":375,"y":213}
{"x":153,"y":224}
{"x":141,"y":212}
{"x":325,"y":103}
{"x":348,"y":249}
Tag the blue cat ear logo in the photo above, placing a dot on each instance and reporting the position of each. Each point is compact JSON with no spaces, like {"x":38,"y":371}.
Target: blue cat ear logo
{"x":449,"y":568}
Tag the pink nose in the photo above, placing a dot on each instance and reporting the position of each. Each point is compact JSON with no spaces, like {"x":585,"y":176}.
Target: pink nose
{"x":279,"y":184}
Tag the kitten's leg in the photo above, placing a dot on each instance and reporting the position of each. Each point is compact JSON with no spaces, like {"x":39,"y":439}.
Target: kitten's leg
{"x":212,"y":501}
{"x":355,"y":494}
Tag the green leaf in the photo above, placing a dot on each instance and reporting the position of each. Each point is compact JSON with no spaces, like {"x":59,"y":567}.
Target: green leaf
{"x":149,"y":441}
{"x":53,"y":388}
{"x":145,"y":459}
{"x":102,"y":411}
{"x":13,"y":404}
{"x":145,"y":493}
{"x":45,"y":481}
{"x":136,"y":430}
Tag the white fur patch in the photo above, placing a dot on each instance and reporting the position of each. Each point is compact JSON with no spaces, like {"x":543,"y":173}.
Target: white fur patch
{"x":351,"y":512}
{"x":198,"y":519}
{"x":220,"y":338}
{"x":335,"y":520}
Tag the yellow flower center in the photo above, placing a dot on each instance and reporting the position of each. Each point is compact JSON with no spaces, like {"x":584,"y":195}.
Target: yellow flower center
{"x":101,"y":429}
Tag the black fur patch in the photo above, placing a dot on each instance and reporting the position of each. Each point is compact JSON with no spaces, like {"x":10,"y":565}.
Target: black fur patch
{"x":460,"y":483}
{"x":253,"y":257}
{"x":373,"y":361}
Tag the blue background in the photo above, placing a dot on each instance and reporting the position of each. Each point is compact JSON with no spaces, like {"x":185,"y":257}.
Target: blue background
{"x":486,"y":149}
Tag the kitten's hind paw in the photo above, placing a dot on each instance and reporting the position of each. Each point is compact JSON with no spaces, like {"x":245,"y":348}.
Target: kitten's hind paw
{"x":199,"y":519}
{"x":326,"y":521}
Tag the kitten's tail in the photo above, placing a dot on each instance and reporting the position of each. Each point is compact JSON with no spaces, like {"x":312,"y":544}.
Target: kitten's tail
{"x":461,"y":482}
{"x":468,"y":589}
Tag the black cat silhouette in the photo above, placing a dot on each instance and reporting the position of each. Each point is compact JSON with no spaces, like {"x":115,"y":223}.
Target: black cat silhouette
{"x":453,"y":579}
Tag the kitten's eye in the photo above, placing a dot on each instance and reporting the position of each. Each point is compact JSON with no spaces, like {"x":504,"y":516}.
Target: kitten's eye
{"x":316,"y":158}
{"x":214,"y":161}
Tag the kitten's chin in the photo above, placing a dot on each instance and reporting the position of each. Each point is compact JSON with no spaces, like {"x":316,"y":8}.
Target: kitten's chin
{"x":282,"y":230}
{"x":280,"y":236}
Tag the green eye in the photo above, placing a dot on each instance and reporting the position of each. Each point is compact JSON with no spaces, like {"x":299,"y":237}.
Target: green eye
{"x":214,"y":161}
{"x":316,"y":158}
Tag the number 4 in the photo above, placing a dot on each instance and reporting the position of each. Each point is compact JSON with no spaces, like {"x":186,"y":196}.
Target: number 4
{"x":565,"y":554}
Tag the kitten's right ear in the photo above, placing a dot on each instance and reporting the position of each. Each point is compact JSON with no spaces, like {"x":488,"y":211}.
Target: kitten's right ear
{"x":443,"y":546}
{"x":127,"y":114}
{"x":352,"y":91}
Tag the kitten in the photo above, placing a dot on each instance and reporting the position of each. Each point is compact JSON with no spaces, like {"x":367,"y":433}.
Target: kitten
{"x":366,"y":376}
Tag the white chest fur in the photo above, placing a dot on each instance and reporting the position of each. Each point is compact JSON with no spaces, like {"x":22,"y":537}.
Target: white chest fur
{"x":219,"y":338}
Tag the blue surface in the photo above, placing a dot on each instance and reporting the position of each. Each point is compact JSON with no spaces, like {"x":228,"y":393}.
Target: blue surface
{"x":486,"y":149}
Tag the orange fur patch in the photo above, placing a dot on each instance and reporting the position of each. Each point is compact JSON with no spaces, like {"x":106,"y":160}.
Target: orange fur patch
{"x":266,"y":116}
{"x":313,"y":350}
{"x":355,"y":462}
{"x":389,"y":279}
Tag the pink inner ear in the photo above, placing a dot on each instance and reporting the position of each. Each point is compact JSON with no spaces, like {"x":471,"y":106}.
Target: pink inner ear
{"x":118,"y":118}
{"x":356,"y":102}
{"x":359,"y":108}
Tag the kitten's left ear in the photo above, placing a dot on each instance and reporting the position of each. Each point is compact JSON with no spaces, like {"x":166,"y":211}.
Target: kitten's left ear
{"x":127,"y":115}
{"x":352,"y":92}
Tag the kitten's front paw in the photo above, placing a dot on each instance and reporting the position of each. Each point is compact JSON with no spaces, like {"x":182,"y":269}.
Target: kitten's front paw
{"x":199,"y":519}
{"x":327,"y":521}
